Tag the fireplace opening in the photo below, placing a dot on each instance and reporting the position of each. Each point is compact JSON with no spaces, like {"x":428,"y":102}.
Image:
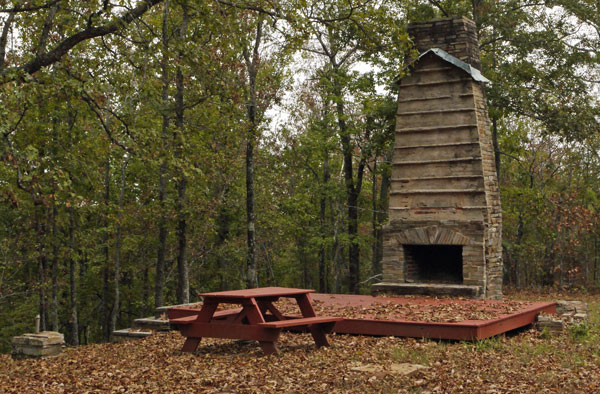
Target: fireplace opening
{"x":433,"y":263}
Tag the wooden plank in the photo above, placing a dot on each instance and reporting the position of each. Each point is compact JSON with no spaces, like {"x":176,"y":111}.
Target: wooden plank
{"x":268,"y":306}
{"x":230,"y":331}
{"x":207,"y":311}
{"x":226,"y":313}
{"x":253,"y":311}
{"x":222,"y":296}
{"x":305,"y":305}
{"x":301,"y":322}
{"x":175,"y":313}
{"x":184,"y":320}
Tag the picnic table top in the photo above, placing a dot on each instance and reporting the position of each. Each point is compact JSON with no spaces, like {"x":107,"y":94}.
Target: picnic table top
{"x":257,"y":293}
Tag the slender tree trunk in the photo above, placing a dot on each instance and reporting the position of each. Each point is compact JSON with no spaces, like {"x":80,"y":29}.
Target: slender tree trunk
{"x":4,"y":36}
{"x":351,"y":197}
{"x":162,"y":182}
{"x":374,"y":219}
{"x":117,"y":266}
{"x":72,"y":283}
{"x":518,"y":241}
{"x":494,"y":116}
{"x":323,"y":275}
{"x":105,"y":314}
{"x":183,"y":282}
{"x":223,"y":223}
{"x":251,"y":106}
{"x":353,"y":193}
{"x":382,"y":213}
{"x":41,"y":275}
{"x":147,"y":306}
{"x":54,"y":270}
{"x":302,"y":258}
{"x":252,"y":270}
{"x":495,"y":145}
{"x":337,"y":249}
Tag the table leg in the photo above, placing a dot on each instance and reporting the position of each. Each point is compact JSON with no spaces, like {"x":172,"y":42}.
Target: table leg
{"x":268,"y":306}
{"x":316,"y":330}
{"x":253,"y":311}
{"x":208,"y":309}
{"x":254,"y":315}
{"x":269,"y":348}
{"x":190,"y":345}
{"x":305,"y":305}
{"x":318,"y":335}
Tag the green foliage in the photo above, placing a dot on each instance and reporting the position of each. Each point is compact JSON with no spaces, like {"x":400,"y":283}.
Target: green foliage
{"x":329,"y":68}
{"x":579,"y":332}
{"x":492,"y":344}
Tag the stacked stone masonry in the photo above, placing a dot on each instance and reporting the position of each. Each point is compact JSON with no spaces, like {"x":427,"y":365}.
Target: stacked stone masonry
{"x":444,"y":184}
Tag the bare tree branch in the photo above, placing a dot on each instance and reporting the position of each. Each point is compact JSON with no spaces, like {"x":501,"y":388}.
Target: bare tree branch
{"x":46,"y":30}
{"x":439,"y":7}
{"x":96,"y":110}
{"x":88,"y":33}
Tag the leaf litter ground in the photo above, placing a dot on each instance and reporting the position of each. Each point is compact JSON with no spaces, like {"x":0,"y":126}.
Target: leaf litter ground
{"x":527,"y":361}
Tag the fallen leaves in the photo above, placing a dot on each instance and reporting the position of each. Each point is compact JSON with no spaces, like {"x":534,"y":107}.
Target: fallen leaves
{"x":413,"y":309}
{"x":519,"y":363}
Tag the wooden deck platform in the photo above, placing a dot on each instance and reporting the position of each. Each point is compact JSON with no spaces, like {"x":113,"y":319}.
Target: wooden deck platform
{"x":428,"y":317}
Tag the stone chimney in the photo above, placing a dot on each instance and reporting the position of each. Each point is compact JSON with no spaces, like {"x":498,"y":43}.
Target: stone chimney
{"x":444,"y":236}
{"x":456,"y":36}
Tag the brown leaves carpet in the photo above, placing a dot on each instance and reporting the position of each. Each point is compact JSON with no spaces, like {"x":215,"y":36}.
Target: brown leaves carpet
{"x":527,"y":361}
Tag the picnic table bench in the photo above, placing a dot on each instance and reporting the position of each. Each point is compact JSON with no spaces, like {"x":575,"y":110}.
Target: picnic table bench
{"x":257,"y":319}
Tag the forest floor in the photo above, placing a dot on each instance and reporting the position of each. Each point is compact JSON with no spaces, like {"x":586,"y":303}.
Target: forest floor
{"x":522,"y":361}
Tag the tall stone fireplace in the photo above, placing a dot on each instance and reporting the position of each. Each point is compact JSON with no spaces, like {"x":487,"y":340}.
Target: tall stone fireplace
{"x":444,"y":236}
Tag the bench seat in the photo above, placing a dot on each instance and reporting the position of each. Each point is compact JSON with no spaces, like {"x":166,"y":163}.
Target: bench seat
{"x":305,"y":321}
{"x":192,"y":318}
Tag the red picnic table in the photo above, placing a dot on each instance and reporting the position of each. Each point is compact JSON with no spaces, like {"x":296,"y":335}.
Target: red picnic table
{"x":257,"y":319}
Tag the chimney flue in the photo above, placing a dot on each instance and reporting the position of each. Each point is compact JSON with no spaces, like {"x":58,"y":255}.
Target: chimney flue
{"x":457,"y":36}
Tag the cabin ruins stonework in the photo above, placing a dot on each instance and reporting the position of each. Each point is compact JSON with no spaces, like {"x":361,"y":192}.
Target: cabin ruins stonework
{"x":444,"y":235}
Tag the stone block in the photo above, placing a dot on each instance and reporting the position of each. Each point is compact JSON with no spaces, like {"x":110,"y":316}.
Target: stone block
{"x":43,"y":344}
{"x":128,"y":334}
{"x":565,"y":307}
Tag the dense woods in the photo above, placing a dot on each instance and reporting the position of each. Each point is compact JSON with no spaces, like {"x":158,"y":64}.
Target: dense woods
{"x":155,"y":149}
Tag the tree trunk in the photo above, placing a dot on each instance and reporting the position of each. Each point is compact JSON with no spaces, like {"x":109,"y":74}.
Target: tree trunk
{"x":54,"y":270}
{"x":353,"y":193}
{"x":382,"y":214}
{"x":42,"y":287}
{"x":72,"y":283}
{"x":223,"y":228}
{"x":251,"y":107}
{"x":323,"y":275}
{"x":374,"y":216}
{"x":518,"y":241}
{"x":351,"y":197}
{"x":4,"y":35}
{"x":159,"y":283}
{"x":105,"y":314}
{"x":496,"y":146}
{"x":183,"y":282}
{"x":337,"y":249}
{"x":117,"y":266}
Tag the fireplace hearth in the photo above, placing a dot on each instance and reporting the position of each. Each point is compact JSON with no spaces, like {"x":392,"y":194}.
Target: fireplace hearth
{"x":433,"y":263}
